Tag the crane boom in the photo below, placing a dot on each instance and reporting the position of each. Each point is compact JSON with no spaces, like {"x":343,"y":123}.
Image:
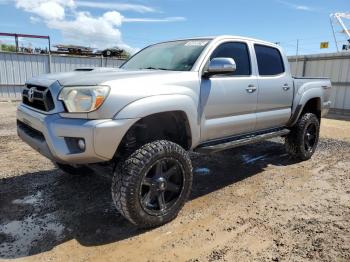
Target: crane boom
{"x":337,"y":19}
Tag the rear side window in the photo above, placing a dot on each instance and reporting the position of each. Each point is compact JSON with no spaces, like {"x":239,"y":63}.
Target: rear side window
{"x":239,"y":52}
{"x":270,"y":61}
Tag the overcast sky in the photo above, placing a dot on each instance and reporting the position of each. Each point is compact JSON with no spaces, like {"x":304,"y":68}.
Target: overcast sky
{"x":135,"y":24}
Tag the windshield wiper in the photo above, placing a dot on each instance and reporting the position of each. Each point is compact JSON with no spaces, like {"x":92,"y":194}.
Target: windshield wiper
{"x":156,"y":68}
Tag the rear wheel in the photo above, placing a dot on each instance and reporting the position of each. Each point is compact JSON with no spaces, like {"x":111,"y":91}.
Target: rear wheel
{"x":302,"y":141}
{"x":152,"y":185}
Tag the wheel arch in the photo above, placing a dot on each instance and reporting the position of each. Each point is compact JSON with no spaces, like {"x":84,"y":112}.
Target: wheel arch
{"x":166,"y":104}
{"x":311,"y":104}
{"x":169,"y":125}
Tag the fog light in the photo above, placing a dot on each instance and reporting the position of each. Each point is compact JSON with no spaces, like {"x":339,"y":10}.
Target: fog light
{"x":81,"y":144}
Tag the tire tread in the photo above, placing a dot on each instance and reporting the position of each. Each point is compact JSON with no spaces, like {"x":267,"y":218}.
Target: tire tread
{"x":124,"y":181}
{"x":294,"y":142}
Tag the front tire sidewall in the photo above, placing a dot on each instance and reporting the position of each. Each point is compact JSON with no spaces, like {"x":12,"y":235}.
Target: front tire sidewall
{"x":128,"y":178}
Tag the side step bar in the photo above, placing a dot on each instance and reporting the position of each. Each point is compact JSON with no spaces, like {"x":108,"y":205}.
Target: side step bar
{"x":213,"y":147}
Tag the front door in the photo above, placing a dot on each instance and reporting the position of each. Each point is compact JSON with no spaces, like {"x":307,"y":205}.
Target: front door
{"x":229,"y":102}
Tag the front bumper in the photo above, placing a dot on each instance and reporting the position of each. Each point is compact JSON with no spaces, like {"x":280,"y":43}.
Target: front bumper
{"x":50,"y":136}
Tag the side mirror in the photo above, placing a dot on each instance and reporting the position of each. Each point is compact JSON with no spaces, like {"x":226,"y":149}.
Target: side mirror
{"x":220,"y":66}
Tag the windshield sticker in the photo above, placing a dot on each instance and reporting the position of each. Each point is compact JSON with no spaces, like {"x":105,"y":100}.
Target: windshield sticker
{"x":196,"y":43}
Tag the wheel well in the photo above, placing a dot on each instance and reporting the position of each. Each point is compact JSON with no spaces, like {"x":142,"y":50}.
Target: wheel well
{"x":172,"y":126}
{"x":313,"y":106}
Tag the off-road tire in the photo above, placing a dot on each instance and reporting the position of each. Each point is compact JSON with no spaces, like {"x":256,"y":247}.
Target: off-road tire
{"x":72,"y":170}
{"x":296,"y":139}
{"x":128,"y":177}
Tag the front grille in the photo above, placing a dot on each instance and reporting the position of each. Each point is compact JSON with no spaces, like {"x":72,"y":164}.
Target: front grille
{"x":30,"y":131}
{"x":38,"y":97}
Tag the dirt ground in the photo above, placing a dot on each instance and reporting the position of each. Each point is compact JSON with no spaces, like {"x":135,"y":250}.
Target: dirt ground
{"x":248,"y":204}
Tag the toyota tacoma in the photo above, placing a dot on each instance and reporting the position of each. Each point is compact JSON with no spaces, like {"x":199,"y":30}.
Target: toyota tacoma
{"x":138,"y":122}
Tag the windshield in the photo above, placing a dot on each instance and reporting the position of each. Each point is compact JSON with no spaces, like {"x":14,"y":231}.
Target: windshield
{"x":174,"y":56}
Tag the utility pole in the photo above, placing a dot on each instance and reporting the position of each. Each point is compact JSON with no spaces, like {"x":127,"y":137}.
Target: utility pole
{"x":296,"y":58}
{"x":16,"y":41}
{"x":49,"y":54}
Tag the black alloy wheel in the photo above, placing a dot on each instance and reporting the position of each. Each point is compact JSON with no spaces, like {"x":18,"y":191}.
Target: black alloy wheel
{"x":161,"y":186}
{"x":310,"y":137}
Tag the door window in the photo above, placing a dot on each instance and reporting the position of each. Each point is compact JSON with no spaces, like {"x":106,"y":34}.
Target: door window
{"x":269,"y":59}
{"x":239,"y":52}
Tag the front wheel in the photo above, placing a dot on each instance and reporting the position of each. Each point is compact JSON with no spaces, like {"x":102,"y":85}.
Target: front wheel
{"x":302,"y":141}
{"x":152,"y":185}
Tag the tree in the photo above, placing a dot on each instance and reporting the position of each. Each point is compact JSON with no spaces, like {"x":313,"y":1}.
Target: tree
{"x":7,"y":48}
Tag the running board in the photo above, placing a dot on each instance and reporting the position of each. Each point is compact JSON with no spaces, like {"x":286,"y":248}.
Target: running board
{"x":213,"y":147}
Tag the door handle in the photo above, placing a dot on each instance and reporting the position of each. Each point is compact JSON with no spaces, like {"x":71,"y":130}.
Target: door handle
{"x":251,"y":89}
{"x":286,"y":87}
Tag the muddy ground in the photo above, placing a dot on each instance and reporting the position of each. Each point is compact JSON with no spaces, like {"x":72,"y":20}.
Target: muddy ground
{"x":248,"y":204}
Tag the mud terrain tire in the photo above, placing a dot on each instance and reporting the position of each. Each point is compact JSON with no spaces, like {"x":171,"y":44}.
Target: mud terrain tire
{"x":302,"y":141}
{"x":151,"y":186}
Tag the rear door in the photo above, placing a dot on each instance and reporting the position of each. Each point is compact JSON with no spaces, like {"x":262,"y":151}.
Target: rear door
{"x":275,"y":88}
{"x":229,"y":101}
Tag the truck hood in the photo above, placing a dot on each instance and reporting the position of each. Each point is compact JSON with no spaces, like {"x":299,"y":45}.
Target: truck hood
{"x":96,"y":76}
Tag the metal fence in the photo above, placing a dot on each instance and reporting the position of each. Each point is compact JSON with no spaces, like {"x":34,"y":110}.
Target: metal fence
{"x":335,"y":66}
{"x":16,"y":68}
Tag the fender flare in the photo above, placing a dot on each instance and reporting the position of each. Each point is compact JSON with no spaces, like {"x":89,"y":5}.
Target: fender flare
{"x":164,"y":103}
{"x":299,"y":106}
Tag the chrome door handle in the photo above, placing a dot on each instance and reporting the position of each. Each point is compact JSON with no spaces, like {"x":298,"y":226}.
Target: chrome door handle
{"x":251,"y":89}
{"x":286,"y":87}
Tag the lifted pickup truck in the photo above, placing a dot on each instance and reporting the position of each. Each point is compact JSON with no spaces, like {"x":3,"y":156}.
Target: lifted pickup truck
{"x":204,"y":94}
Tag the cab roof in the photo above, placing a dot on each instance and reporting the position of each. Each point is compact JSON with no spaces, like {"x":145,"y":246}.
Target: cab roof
{"x":222,"y":37}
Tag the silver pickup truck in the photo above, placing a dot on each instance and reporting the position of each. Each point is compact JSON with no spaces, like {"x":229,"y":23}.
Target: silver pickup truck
{"x":139,"y":121}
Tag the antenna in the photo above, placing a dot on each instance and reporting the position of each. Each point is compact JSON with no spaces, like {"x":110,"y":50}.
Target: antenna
{"x":336,"y":20}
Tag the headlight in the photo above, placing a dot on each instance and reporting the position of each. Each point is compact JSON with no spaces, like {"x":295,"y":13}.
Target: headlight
{"x":81,"y":99}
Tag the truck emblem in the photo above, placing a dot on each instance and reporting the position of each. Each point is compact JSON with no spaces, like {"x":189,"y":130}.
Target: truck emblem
{"x":31,"y":94}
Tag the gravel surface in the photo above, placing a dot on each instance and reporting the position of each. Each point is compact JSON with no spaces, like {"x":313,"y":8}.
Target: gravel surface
{"x":248,"y":203}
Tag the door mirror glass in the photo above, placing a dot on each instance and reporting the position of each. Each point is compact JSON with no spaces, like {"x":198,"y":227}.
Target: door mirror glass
{"x":221,"y":65}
